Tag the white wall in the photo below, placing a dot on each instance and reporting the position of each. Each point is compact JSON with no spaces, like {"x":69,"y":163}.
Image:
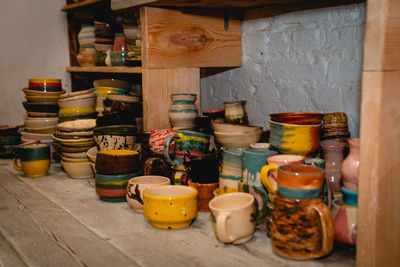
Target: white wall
{"x":33,"y":44}
{"x":303,"y":61}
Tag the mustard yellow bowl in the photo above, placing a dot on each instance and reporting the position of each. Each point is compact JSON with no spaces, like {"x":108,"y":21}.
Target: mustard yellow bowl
{"x":65,"y":112}
{"x":170,"y":206}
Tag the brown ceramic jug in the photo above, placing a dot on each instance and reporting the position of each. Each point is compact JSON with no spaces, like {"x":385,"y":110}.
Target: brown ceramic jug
{"x":302,"y":228}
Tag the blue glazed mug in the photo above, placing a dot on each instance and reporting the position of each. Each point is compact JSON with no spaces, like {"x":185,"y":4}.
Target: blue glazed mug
{"x":185,"y":141}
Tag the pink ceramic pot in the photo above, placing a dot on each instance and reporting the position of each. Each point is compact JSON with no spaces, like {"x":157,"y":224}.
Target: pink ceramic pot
{"x":350,"y":165}
{"x":344,"y":222}
{"x":157,"y":139}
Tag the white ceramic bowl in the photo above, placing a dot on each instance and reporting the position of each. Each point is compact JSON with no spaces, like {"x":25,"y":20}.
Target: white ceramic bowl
{"x":78,"y":170}
{"x":224,"y":127}
{"x":77,"y":125}
{"x":31,"y":122}
{"x":238,"y":139}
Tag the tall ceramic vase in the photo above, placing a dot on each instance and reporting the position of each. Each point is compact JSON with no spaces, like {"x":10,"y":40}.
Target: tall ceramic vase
{"x":350,"y":165}
{"x":333,"y":154}
{"x":183,"y":111}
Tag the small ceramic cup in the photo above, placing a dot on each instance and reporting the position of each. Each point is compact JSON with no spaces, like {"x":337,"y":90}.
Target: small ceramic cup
{"x":170,"y":206}
{"x":232,"y":161}
{"x":269,"y":173}
{"x":205,"y":194}
{"x":232,"y":217}
{"x":32,"y":159}
{"x":229,"y":183}
{"x":136,"y":186}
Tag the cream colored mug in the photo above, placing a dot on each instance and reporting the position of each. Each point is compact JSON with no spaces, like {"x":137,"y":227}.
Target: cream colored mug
{"x":232,"y":217}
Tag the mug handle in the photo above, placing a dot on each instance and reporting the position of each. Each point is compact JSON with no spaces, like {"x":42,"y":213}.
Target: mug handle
{"x":17,"y":166}
{"x":325,"y":217}
{"x":221,"y":228}
{"x":264,"y":176}
{"x":167,"y":144}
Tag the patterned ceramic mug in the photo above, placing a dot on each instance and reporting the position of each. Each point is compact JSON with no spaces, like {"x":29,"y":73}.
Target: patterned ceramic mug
{"x":33,"y":159}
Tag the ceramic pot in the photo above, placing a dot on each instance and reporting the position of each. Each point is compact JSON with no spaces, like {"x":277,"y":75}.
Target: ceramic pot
{"x":183,"y":111}
{"x":333,"y":155}
{"x":116,"y":137}
{"x":344,"y":222}
{"x":205,"y":194}
{"x":294,"y":138}
{"x":235,"y":112}
{"x":302,"y":228}
{"x":232,"y":161}
{"x":350,"y":165}
{"x":86,"y":36}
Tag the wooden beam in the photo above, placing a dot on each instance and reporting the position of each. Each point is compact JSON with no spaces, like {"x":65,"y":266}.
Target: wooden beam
{"x":177,"y":38}
{"x":378,"y":233}
{"x":158,"y":84}
{"x":382,"y":35}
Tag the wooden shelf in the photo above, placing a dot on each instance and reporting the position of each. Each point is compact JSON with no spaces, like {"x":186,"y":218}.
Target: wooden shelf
{"x":106,"y":69}
{"x":83,"y":3}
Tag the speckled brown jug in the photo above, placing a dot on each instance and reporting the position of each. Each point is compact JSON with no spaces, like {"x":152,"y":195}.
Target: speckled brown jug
{"x":302,"y":228}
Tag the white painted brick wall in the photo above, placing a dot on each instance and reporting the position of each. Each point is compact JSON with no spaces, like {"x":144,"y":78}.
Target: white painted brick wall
{"x":308,"y":61}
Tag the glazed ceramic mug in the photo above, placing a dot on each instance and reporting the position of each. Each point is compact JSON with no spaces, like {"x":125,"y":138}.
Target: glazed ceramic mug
{"x":232,"y":217}
{"x":33,"y":159}
{"x":194,"y":142}
{"x":205,"y":194}
{"x":229,"y":183}
{"x":269,"y":173}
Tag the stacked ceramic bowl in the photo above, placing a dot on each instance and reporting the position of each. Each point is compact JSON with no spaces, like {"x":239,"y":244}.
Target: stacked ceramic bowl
{"x":73,"y":139}
{"x":105,"y":87}
{"x":77,"y":105}
{"x":9,"y":139}
{"x":104,"y":39}
{"x":335,"y":126}
{"x":235,"y":135}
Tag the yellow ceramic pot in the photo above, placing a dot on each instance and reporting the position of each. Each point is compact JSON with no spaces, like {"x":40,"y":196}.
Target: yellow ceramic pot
{"x":170,"y":206}
{"x":294,"y":138}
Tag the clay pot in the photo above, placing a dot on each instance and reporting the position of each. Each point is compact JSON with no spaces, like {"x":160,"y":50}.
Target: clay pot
{"x":350,"y":165}
{"x":116,"y":161}
{"x":183,"y":111}
{"x":344,"y":222}
{"x":235,"y":112}
{"x":333,"y":154}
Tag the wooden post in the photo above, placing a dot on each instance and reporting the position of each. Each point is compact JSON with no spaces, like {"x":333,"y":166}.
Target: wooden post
{"x":378,"y":236}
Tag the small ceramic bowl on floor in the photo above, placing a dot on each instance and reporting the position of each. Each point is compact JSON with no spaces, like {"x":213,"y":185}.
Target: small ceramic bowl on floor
{"x":117,"y":161}
{"x":78,"y":170}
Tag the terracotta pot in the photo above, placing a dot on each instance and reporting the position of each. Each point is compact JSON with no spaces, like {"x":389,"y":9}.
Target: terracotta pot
{"x":350,"y":165}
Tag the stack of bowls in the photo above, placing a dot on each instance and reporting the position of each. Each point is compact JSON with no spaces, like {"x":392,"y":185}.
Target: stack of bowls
{"x":102,"y":91}
{"x":104,"y":40}
{"x":295,"y":132}
{"x":235,"y":135}
{"x":9,"y":139}
{"x":73,"y":139}
{"x":335,"y":126}
{"x":42,"y":110}
{"x":114,"y":168}
{"x":77,"y":105}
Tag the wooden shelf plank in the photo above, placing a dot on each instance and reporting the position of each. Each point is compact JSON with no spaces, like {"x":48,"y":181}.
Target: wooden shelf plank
{"x":123,"y":4}
{"x":122,"y":69}
{"x":80,"y":4}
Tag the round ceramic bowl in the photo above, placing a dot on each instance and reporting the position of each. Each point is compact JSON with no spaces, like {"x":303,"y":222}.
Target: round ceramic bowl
{"x":241,"y":139}
{"x":75,"y":111}
{"x":225,"y":127}
{"x":170,"y":206}
{"x":31,"y":122}
{"x":80,"y":142}
{"x":92,"y":154}
{"x":44,"y":138}
{"x":112,"y":83}
{"x":29,"y":92}
{"x":45,"y":85}
{"x":70,"y":149}
{"x":76,"y":155}
{"x":299,"y":118}
{"x":123,"y":98}
{"x":42,"y":130}
{"x":68,"y":159}
{"x":78,"y":170}
{"x":104,"y":91}
{"x":87,"y":100}
{"x":216,"y":192}
{"x":294,"y":139}
{"x":72,"y":135}
{"x":214,"y":113}
{"x":77,"y":93}
{"x":48,"y":107}
{"x":77,"y":125}
{"x":115,"y":137}
{"x":6,"y":130}
{"x":260,"y":146}
{"x":39,"y":98}
{"x":117,"y":161}
{"x":112,"y":188}
{"x":136,"y":186}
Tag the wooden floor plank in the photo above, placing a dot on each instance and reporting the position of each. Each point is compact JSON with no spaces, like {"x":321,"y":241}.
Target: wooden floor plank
{"x":8,"y":255}
{"x":44,"y":234}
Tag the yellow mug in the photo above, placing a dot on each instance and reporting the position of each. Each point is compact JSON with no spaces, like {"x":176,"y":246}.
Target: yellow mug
{"x":33,"y":159}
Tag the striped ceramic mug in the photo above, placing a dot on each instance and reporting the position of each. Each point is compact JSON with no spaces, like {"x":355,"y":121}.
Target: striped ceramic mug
{"x":33,"y":159}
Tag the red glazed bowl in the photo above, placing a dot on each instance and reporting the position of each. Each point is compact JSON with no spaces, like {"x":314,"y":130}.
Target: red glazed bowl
{"x":299,"y":118}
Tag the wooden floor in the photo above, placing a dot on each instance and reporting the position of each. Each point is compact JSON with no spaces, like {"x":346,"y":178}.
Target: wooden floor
{"x":58,"y":221}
